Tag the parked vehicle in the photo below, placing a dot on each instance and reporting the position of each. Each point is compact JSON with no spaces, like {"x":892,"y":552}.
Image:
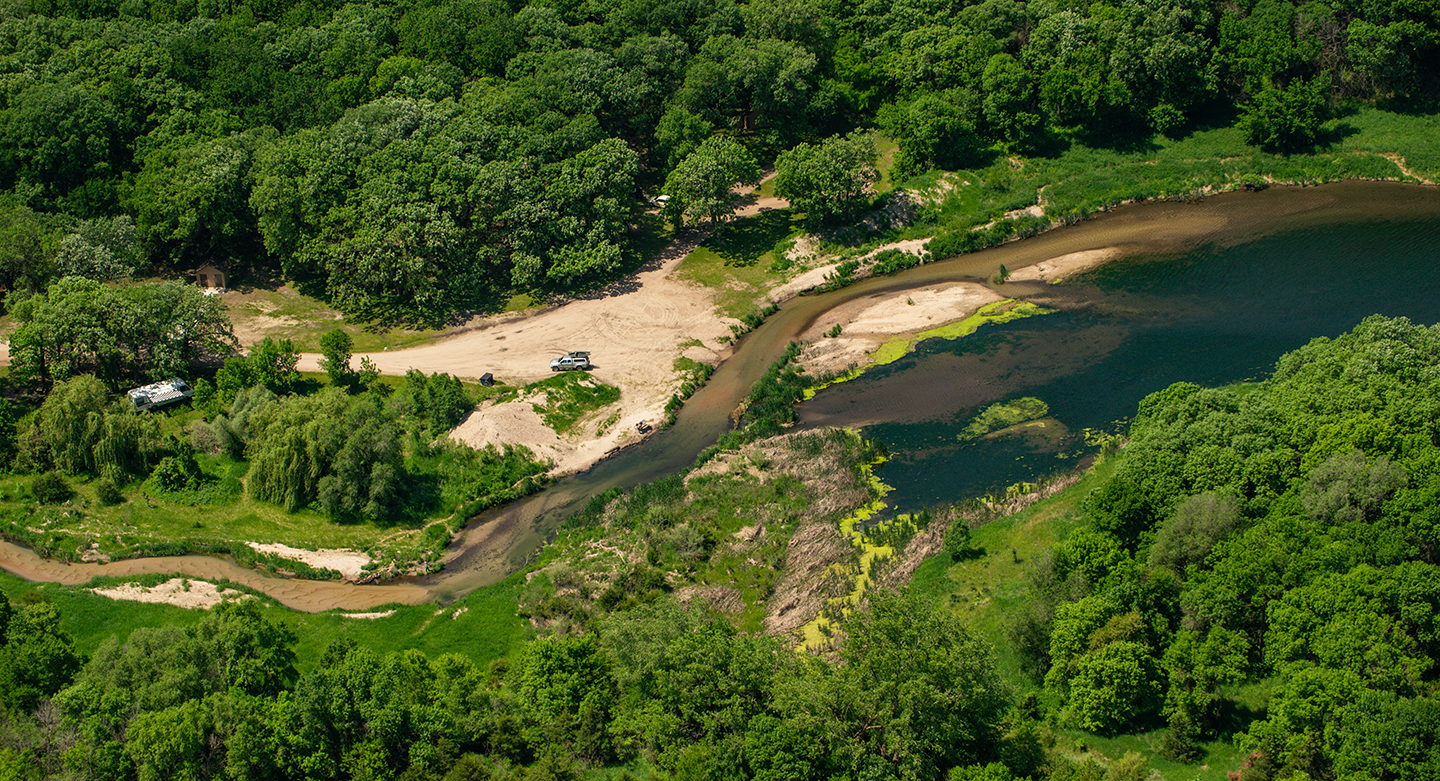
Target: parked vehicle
{"x":160,"y":394}
{"x":577,"y":359}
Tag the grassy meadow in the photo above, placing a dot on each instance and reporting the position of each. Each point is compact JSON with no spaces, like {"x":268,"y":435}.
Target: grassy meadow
{"x":483,"y":625}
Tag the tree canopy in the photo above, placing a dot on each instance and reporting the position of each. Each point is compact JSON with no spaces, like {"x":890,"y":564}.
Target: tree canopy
{"x":1289,"y":534}
{"x":413,"y":160}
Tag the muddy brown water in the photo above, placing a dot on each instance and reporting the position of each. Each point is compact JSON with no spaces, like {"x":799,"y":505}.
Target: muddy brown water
{"x":500,"y":542}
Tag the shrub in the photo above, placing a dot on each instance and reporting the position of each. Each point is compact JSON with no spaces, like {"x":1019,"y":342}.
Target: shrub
{"x":893,"y":260}
{"x":107,"y":493}
{"x":51,"y":488}
{"x":957,"y":540}
{"x":177,"y":473}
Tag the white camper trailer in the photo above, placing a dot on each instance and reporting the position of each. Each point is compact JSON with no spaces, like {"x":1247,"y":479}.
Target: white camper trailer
{"x":160,"y":394}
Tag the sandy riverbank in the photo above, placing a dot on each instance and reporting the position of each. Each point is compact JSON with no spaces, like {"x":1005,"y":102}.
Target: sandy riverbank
{"x":636,"y":334}
{"x":867,"y":323}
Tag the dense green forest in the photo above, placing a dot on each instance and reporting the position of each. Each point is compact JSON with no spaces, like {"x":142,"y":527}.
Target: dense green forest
{"x":1276,"y":536}
{"x":1286,"y":531}
{"x":412,"y":160}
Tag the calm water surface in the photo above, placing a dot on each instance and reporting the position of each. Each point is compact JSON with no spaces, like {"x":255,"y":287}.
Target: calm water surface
{"x":1212,"y":315}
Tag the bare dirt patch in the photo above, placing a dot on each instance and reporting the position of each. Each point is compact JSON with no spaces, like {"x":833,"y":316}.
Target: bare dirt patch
{"x":279,"y":313}
{"x":180,"y":592}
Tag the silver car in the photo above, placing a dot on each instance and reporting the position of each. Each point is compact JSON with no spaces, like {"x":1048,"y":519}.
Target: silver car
{"x":571,"y":361}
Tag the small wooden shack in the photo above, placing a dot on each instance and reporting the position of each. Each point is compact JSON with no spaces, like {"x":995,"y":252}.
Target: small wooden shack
{"x":210,"y":277}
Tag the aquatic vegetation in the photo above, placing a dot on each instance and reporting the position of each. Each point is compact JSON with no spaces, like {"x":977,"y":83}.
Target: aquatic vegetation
{"x":998,"y":312}
{"x":875,"y":543}
{"x":1004,"y":415}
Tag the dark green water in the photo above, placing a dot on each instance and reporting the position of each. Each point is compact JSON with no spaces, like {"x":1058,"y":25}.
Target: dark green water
{"x":1212,"y":315}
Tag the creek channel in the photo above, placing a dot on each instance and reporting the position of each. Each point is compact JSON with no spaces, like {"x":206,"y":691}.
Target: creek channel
{"x":1210,"y":292}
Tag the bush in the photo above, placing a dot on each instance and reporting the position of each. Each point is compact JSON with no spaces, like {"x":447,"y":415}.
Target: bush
{"x":893,"y":260}
{"x":107,"y":493}
{"x":177,"y":473}
{"x":51,"y":488}
{"x":957,"y":540}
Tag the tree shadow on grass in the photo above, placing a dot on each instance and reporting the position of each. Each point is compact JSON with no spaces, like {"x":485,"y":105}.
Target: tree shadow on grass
{"x":1130,"y":139}
{"x":1234,"y":717}
{"x":746,"y":240}
{"x":421,"y":499}
{"x":1331,"y":134}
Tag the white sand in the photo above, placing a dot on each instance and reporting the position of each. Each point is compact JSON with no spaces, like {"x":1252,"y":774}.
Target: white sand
{"x":870,"y":322}
{"x":348,"y":563}
{"x":180,"y":592}
{"x":1056,"y":269}
{"x":369,"y":616}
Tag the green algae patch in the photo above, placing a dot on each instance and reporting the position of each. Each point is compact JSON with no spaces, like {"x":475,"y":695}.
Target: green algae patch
{"x":1003,"y":415}
{"x":846,"y":377}
{"x":998,"y":312}
{"x":895,"y":349}
{"x":875,"y":543}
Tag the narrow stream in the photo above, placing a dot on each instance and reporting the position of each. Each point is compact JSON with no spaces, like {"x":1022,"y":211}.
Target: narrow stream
{"x":1166,"y":280}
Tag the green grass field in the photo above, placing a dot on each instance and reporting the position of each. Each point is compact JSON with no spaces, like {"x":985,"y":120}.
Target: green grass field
{"x":737,"y":260}
{"x":482,"y":626}
{"x":1082,"y":179}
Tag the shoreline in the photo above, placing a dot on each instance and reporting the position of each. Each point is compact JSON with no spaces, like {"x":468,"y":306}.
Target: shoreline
{"x":951,"y":290}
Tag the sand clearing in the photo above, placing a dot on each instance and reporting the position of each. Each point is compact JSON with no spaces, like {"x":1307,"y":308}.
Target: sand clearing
{"x":633,"y":332}
{"x":348,"y":563}
{"x":369,"y":616}
{"x":180,"y":592}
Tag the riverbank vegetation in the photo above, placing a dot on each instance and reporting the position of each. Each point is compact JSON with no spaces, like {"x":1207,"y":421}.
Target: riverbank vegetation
{"x":369,"y":469}
{"x":564,"y":399}
{"x":411,"y":162}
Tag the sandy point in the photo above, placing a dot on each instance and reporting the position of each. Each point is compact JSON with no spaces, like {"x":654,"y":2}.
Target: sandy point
{"x":867,"y":323}
{"x":1058,"y":268}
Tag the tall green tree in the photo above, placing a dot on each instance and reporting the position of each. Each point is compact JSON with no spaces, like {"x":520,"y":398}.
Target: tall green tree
{"x":905,"y":669}
{"x":335,"y":354}
{"x":702,"y":185}
{"x":831,"y":180}
{"x":37,"y":657}
{"x":1286,"y":120}
{"x":121,"y":334}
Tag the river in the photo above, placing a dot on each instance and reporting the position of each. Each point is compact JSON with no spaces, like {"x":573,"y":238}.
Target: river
{"x":1211,"y":291}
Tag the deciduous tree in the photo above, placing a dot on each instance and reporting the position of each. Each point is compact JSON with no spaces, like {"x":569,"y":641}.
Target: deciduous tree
{"x":831,"y":180}
{"x":702,"y":185}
